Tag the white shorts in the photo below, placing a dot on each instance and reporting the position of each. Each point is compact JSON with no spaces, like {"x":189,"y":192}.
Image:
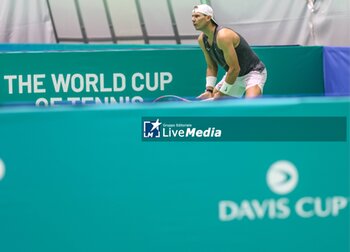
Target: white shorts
{"x":244,"y":82}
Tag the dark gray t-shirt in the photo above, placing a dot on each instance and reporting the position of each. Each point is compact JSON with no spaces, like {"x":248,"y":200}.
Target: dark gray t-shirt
{"x":247,"y":59}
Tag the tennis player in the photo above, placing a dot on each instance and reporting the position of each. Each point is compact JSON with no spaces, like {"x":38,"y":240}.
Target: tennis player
{"x":245,"y":72}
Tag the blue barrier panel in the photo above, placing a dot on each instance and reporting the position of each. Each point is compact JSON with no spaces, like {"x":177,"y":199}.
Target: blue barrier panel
{"x":337,"y":71}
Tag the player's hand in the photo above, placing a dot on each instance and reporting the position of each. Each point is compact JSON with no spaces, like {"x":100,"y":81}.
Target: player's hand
{"x":218,"y":95}
{"x":205,"y":95}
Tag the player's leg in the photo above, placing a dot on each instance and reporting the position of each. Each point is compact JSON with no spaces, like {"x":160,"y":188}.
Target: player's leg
{"x":255,"y":82}
{"x":253,"y":91}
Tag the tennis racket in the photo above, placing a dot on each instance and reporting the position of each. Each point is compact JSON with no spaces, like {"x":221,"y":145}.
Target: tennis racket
{"x":171,"y":98}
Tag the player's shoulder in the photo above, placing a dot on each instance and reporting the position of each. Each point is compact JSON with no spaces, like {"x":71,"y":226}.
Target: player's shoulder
{"x":225,"y":33}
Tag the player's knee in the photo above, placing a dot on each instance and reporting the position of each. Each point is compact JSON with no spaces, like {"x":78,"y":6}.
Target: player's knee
{"x":253,"y":92}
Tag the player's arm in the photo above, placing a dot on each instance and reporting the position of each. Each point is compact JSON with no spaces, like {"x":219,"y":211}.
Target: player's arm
{"x":226,"y":40}
{"x":212,"y":67}
{"x":211,"y":72}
